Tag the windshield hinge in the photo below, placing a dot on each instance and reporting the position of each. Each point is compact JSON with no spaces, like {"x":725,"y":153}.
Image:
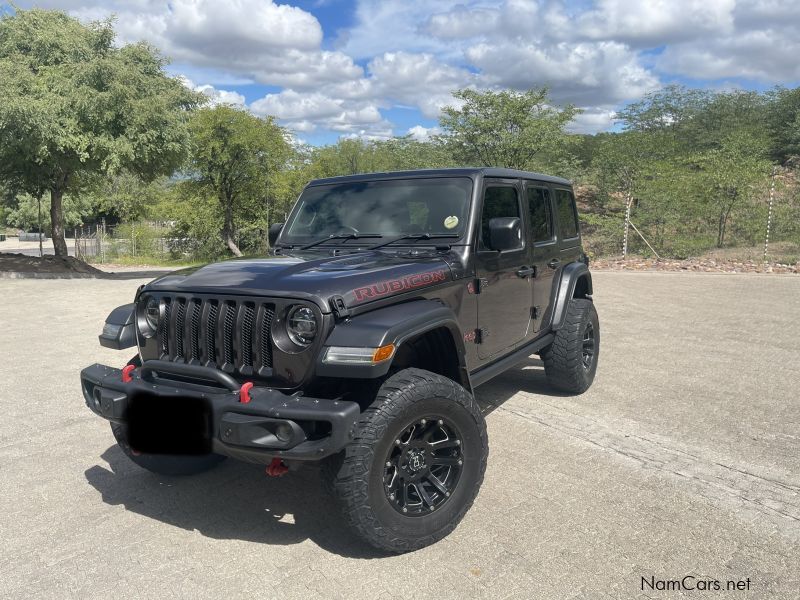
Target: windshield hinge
{"x":339,"y":308}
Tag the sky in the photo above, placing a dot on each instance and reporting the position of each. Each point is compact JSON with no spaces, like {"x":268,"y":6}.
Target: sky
{"x":377,"y":68}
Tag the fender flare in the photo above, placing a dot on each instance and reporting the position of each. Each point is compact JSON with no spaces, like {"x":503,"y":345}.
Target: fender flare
{"x":392,"y":325}
{"x":570,"y":275}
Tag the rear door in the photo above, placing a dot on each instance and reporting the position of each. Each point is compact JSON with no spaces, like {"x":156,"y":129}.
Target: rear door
{"x":504,"y":300}
{"x":544,"y":249}
{"x":569,"y":238}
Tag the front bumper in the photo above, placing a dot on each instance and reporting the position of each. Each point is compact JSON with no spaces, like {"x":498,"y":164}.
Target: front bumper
{"x":246,"y":431}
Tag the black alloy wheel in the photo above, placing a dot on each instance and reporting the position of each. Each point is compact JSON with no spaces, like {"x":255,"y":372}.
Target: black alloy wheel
{"x":415,"y":463}
{"x":423,"y":466}
{"x":588,"y":349}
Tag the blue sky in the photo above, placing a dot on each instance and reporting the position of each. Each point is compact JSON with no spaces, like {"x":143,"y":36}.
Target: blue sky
{"x":377,"y":68}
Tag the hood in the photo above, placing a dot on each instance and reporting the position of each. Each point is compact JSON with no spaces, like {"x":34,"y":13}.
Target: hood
{"x":358,"y":278}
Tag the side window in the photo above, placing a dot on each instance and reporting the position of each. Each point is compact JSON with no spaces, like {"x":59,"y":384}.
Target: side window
{"x":567,"y":215}
{"x":498,"y":201}
{"x":540,"y":215}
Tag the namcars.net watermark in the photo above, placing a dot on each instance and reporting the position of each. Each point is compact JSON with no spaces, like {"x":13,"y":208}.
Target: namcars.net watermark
{"x":691,"y":583}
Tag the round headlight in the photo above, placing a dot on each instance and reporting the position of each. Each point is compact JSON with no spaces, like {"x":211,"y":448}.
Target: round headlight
{"x":152,"y":314}
{"x":301,"y":325}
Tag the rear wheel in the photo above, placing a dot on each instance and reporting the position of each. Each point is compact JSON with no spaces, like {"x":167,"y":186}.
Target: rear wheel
{"x":415,"y":465}
{"x":570,"y":362}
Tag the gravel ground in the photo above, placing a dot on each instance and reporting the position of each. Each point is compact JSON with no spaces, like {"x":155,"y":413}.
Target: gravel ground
{"x":681,"y":460}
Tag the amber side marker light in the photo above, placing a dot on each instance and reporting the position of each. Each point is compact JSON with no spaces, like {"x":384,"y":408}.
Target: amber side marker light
{"x":341,"y":355}
{"x":383,"y":353}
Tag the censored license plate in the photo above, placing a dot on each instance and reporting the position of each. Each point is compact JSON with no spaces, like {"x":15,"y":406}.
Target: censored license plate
{"x":167,"y":425}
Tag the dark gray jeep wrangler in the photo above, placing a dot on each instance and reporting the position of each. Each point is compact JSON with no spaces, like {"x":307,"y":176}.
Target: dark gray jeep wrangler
{"x":388,"y":299}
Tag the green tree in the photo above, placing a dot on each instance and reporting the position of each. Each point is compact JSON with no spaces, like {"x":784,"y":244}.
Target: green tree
{"x":504,"y":128}
{"x":783,"y":122}
{"x":25,"y":215}
{"x":73,"y":105}
{"x":732,"y":174}
{"x":125,"y":197}
{"x":668,"y":108}
{"x":234,"y":157}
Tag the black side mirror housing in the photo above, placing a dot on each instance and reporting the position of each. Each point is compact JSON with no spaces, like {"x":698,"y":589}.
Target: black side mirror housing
{"x":274,"y":232}
{"x":505,"y":233}
{"x":119,"y":331}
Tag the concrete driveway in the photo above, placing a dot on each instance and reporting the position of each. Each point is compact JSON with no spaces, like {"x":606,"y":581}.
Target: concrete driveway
{"x":681,"y":460}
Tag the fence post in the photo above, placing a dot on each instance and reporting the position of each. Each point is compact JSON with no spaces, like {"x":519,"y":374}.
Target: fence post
{"x":769,"y":211}
{"x":627,"y":226}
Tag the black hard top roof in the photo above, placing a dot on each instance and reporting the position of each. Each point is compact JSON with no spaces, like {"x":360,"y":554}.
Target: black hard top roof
{"x":460,"y":172}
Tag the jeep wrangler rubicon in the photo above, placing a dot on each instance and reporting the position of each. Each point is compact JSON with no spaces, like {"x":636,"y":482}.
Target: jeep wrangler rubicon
{"x":387,"y":300}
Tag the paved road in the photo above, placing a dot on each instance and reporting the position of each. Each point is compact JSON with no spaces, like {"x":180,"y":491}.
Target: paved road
{"x":14,"y":246}
{"x":681,"y":460}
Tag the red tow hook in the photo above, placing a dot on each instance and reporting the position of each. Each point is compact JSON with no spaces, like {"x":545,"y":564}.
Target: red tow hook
{"x":126,"y":373}
{"x":244,"y":392}
{"x":276,"y":468}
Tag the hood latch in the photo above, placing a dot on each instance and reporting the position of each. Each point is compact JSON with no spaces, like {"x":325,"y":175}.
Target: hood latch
{"x":339,"y":308}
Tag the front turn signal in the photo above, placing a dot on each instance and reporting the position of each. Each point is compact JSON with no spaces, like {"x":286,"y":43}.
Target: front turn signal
{"x":383,"y":353}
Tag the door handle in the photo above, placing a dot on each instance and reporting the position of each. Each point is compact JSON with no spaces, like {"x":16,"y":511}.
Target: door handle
{"x":553,"y":264}
{"x":526,"y":272}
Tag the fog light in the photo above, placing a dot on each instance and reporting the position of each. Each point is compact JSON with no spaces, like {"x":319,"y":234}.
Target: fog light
{"x":284,"y":432}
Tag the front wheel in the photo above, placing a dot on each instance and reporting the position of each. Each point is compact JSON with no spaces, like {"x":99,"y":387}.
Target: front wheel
{"x":415,"y":465}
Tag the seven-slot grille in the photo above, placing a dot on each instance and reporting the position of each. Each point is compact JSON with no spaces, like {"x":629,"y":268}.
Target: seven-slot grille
{"x":233,"y":335}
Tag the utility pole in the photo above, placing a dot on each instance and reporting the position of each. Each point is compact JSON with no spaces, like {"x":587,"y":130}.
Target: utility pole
{"x":39,"y":205}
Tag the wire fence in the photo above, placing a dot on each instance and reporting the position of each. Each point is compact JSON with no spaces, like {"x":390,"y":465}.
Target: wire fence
{"x":103,"y":243}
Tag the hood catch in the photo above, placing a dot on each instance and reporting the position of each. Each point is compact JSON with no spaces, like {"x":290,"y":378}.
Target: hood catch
{"x":339,"y":308}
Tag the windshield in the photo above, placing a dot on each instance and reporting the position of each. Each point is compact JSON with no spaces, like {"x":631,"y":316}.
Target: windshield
{"x":386,"y":208}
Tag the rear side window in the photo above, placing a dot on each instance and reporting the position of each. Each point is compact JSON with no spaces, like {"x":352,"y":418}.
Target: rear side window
{"x":540,"y":215}
{"x":567,"y":215}
{"x":498,"y":201}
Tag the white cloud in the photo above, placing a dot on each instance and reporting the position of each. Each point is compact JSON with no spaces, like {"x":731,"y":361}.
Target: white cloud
{"x":463,"y":23}
{"x":417,"y":80}
{"x":214,"y":95}
{"x":764,"y":46}
{"x":592,"y":120}
{"x":421,"y":134}
{"x":389,"y":25}
{"x":306,"y":112}
{"x":597,"y":54}
{"x":654,"y":22}
{"x":586,"y":72}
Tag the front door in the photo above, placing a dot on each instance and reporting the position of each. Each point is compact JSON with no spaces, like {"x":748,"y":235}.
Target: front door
{"x":504,"y":301}
{"x":545,"y":251}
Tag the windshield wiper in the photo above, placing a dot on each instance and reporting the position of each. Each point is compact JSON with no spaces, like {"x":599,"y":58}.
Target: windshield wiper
{"x":415,"y":236}
{"x":341,"y":236}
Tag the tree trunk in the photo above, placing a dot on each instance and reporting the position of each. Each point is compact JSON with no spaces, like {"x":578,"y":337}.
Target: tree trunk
{"x":227,"y":228}
{"x":721,"y":229}
{"x":57,"y":222}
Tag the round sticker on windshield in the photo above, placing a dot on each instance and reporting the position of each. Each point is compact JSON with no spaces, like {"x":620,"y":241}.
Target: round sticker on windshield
{"x":451,"y":221}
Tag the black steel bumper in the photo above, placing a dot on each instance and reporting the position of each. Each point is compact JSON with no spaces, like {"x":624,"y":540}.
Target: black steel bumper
{"x":311,"y":428}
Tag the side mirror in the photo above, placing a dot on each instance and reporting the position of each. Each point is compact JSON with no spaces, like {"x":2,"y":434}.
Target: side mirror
{"x":274,"y":232}
{"x":505,"y":233}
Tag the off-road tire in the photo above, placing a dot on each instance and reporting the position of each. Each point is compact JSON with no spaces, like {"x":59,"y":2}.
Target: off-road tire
{"x":564,"y":358}
{"x":163,"y":464}
{"x":356,"y":475}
